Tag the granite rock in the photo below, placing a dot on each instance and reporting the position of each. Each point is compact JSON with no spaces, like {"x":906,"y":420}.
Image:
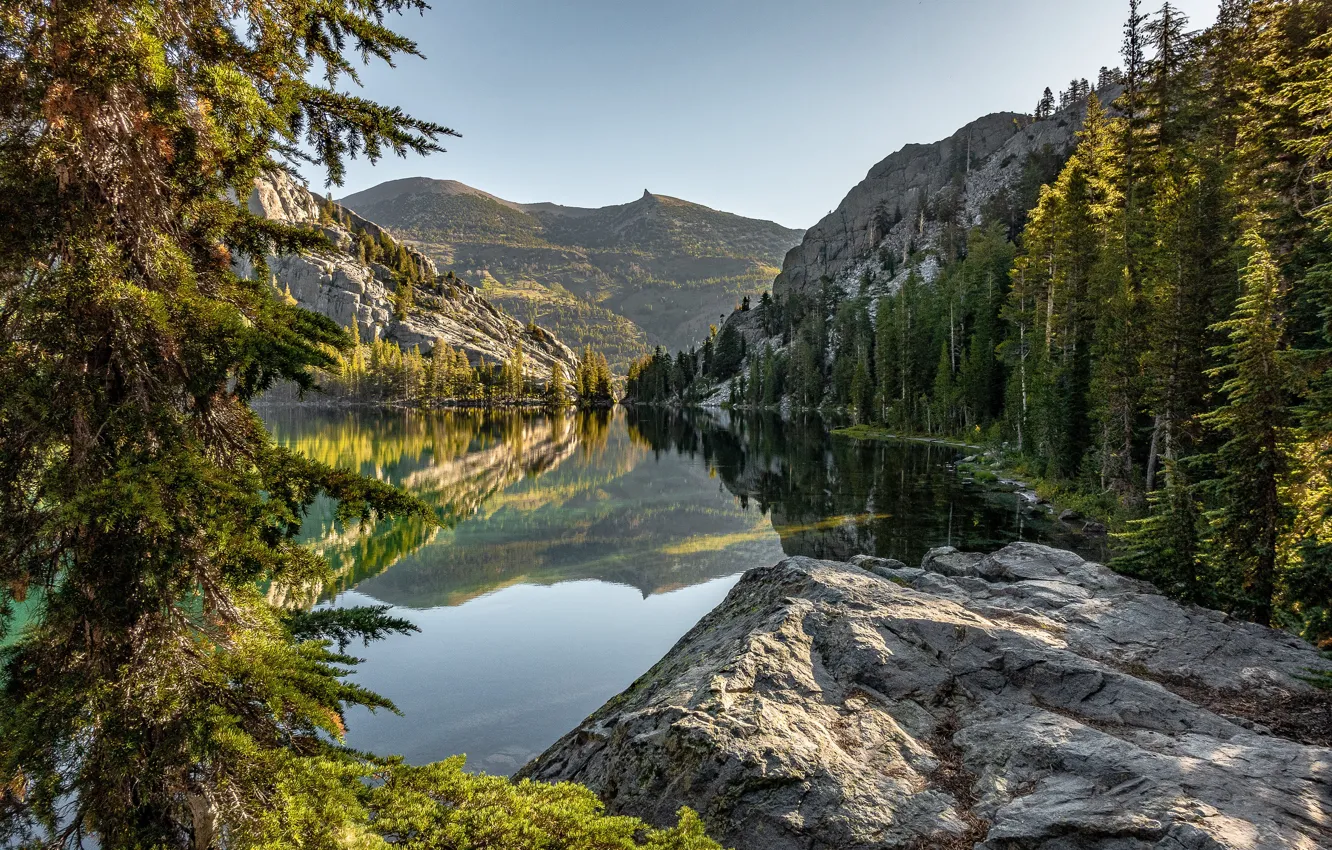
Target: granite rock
{"x":1021,"y":700}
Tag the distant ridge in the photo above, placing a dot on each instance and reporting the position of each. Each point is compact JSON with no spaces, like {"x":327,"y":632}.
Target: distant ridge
{"x":406,"y":187}
{"x":654,"y":271}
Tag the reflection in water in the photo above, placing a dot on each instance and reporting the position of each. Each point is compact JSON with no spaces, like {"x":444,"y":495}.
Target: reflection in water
{"x":525,"y":498}
{"x":455,"y":461}
{"x":575,"y":549}
{"x":834,"y":498}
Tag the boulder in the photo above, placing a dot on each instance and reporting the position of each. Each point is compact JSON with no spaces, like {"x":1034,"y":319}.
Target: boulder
{"x":950,"y":562}
{"x":1043,"y":702}
{"x":868,"y":562}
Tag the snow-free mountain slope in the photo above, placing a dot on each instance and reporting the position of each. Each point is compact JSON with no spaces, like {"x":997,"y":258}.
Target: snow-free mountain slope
{"x":655,"y":271}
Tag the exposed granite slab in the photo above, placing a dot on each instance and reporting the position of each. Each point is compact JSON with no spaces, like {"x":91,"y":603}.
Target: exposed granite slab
{"x":1026,"y":699}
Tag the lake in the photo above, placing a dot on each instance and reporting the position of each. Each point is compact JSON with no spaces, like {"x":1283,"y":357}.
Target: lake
{"x":576,"y":549}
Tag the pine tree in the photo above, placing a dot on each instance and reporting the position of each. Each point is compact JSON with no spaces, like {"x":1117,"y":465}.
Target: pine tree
{"x":157,"y":699}
{"x":1166,"y":547}
{"x":557,"y":391}
{"x":1046,"y":107}
{"x":1253,"y":421}
{"x":602,"y":381}
{"x":1063,"y":294}
{"x":432,"y":379}
{"x":771,"y":320}
{"x":754,"y":382}
{"x":728,"y":353}
{"x":1307,"y":84}
{"x":943,"y":395}
{"x":404,"y":299}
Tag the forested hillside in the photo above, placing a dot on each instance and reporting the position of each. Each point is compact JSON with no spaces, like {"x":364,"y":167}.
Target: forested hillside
{"x":1155,"y":330}
{"x":623,"y":278}
{"x":368,"y":282}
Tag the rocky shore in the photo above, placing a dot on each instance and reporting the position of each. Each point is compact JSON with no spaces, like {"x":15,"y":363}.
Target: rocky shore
{"x":1022,"y":699}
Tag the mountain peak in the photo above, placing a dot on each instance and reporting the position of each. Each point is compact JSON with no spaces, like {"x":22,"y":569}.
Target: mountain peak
{"x":394,"y":189}
{"x":646,"y":195}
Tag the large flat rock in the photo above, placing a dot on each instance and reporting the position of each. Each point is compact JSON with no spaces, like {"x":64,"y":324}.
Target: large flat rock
{"x":1028,"y":700}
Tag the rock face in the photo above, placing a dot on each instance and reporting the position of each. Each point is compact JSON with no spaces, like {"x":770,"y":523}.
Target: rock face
{"x":904,"y":200}
{"x":1024,"y":699}
{"x":336,"y":284}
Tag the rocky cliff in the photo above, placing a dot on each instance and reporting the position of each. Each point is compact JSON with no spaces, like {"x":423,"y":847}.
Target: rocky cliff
{"x":907,"y":202}
{"x":1024,"y":700}
{"x":336,"y":284}
{"x":626,"y":277}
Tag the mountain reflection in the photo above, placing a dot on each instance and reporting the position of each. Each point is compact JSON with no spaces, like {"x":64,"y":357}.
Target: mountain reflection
{"x":524,"y":498}
{"x":656,"y":500}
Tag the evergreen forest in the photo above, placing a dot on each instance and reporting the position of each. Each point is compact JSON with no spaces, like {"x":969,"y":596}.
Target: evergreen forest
{"x":1144,"y":323}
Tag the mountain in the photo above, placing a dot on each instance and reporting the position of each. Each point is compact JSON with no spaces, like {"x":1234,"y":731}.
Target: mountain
{"x":914,"y":200}
{"x":656,"y":271}
{"x":910,"y":218}
{"x":347,"y":290}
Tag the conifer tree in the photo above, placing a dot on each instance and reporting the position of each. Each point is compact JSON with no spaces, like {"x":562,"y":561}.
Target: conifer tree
{"x":557,"y":391}
{"x":602,"y":380}
{"x":1166,"y":546}
{"x":157,"y":700}
{"x":1046,"y":107}
{"x":1253,"y":420}
{"x":944,"y":396}
{"x":806,"y":377}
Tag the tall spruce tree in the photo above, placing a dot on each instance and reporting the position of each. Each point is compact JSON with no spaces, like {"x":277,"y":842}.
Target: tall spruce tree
{"x":156,"y":699}
{"x":1166,"y":546}
{"x":1253,"y":419}
{"x":557,"y":391}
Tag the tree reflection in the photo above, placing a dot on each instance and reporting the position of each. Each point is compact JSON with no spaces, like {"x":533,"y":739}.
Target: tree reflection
{"x":650,"y":498}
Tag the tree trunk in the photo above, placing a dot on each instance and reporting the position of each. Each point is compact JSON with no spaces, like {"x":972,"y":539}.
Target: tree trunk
{"x":1153,"y":455}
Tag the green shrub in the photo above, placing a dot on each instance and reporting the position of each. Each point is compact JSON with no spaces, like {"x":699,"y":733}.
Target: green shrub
{"x":440,"y":807}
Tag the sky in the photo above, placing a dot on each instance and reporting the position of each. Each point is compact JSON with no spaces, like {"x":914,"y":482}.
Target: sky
{"x":771,"y":109}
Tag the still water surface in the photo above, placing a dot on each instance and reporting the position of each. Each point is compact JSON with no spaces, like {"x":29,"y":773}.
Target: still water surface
{"x":576,"y":549}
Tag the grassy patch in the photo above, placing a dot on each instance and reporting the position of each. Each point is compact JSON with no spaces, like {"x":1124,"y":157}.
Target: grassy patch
{"x":1103,"y":507}
{"x":979,"y":474}
{"x":878,"y":432}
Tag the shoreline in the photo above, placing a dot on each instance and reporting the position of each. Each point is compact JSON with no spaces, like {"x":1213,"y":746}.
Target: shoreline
{"x":878,"y":434}
{"x":457,"y":404}
{"x":997,"y":476}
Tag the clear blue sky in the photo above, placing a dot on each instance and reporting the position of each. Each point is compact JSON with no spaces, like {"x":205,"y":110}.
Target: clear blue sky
{"x":767,"y":108}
